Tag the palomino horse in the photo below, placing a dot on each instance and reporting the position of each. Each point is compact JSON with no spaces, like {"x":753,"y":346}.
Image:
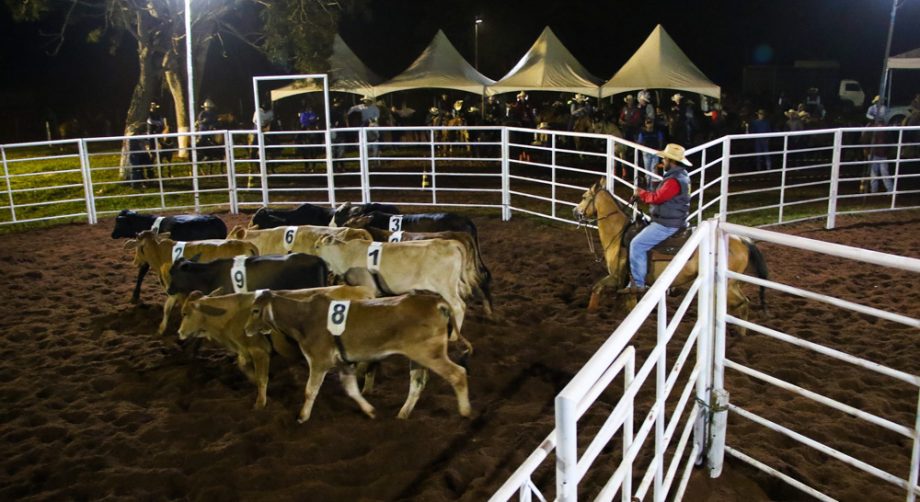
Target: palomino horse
{"x":612,"y":224}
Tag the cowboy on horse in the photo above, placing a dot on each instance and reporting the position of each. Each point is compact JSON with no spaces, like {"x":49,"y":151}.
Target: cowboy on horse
{"x":670,"y":206}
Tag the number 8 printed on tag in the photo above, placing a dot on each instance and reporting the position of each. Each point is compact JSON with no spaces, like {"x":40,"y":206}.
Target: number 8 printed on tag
{"x":337,"y":316}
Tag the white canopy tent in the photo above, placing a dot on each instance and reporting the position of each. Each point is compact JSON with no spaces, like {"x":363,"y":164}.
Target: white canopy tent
{"x":548,"y":66}
{"x":909,"y":60}
{"x":346,"y":73}
{"x":660,"y":64}
{"x":439,"y":66}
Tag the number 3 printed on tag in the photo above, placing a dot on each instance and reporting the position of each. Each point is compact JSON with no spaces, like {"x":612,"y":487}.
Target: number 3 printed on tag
{"x":396,"y":223}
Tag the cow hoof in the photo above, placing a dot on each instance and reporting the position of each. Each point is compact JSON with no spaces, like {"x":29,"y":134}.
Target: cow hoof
{"x":371,"y":413}
{"x":301,"y":420}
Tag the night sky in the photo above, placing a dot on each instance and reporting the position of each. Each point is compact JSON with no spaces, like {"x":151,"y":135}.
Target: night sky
{"x":721,"y":37}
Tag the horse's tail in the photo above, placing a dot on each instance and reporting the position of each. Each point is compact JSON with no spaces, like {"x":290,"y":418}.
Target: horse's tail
{"x":760,"y":266}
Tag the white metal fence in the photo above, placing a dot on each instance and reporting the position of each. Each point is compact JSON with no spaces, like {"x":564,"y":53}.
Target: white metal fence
{"x":810,"y":174}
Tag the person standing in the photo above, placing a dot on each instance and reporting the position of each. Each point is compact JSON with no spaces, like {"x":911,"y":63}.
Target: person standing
{"x":876,"y":150}
{"x":630,"y":118}
{"x":876,"y":112}
{"x":652,"y":138}
{"x":669,"y":207}
{"x":761,"y":125}
{"x":370,"y":117}
{"x":207,"y":118}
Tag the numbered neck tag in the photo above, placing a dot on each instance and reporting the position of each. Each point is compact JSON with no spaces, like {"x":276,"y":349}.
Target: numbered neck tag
{"x":396,"y":237}
{"x":156,"y":224}
{"x":178,"y":251}
{"x":374,"y":252}
{"x":338,"y":315}
{"x":396,"y":223}
{"x":290,"y":233}
{"x":238,"y":274}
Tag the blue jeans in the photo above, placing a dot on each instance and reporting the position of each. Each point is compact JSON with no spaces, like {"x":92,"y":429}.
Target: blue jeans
{"x":879,"y":169}
{"x":645,"y":240}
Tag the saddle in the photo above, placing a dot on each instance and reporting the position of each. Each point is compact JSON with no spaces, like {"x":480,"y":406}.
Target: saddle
{"x":666,"y":249}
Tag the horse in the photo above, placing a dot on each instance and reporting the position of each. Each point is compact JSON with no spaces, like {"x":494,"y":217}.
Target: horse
{"x":452,"y":136}
{"x":600,"y":205}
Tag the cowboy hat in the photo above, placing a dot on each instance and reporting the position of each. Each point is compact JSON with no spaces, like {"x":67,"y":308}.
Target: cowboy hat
{"x":580,"y":98}
{"x":208,"y":104}
{"x":677,"y":97}
{"x":522,"y":95}
{"x":367,"y":99}
{"x":674,"y":151}
{"x":433,"y":110}
{"x":876,"y":99}
{"x":644,"y":96}
{"x":792,"y":112}
{"x":629,"y":97}
{"x":458,"y":105}
{"x":804,"y":115}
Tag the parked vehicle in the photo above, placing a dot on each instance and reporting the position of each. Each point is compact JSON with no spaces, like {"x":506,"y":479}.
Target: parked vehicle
{"x":795,"y":82}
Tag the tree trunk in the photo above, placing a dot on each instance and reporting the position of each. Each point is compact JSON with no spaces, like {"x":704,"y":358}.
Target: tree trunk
{"x":146,"y":89}
{"x":176,"y":85}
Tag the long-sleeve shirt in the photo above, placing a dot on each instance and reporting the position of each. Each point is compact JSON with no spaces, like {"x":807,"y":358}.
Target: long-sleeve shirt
{"x":665,"y":192}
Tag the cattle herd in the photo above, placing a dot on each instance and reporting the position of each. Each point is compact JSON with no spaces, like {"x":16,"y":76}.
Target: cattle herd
{"x":344,"y":287}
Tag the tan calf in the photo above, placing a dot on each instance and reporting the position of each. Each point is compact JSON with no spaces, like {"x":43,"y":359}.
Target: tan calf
{"x":414,"y":325}
{"x":297,"y":239}
{"x":159,"y":252}
{"x":221,"y":319}
{"x":404,"y":267}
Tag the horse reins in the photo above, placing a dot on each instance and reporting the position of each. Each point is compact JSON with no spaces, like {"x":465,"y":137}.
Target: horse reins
{"x":600,"y":258}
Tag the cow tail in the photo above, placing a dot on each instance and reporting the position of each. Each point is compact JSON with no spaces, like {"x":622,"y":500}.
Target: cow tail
{"x":755,"y":257}
{"x":485,"y":275}
{"x":452,"y":328}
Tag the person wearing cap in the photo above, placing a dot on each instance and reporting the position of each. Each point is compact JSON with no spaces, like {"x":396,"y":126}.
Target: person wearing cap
{"x":207,"y":118}
{"x":520,"y":112}
{"x":630,"y":118}
{"x":579,"y":107}
{"x":156,"y":124}
{"x":370,"y":117}
{"x":669,"y":207}
{"x":876,"y":147}
{"x":877,"y":111}
{"x":761,"y":125}
{"x":645,"y":105}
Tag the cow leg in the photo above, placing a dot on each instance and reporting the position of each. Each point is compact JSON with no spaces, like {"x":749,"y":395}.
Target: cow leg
{"x":738,"y":304}
{"x":350,"y":383}
{"x":171,"y":301}
{"x":418,"y":377}
{"x":455,"y":375}
{"x":369,"y":372}
{"x":260,"y":363}
{"x":315,"y":380}
{"x":141,"y":273}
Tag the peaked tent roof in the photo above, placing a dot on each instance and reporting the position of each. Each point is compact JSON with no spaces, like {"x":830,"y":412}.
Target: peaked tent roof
{"x":548,"y":66}
{"x":909,"y":60}
{"x":660,"y":64}
{"x":346,"y":74}
{"x":439,"y":66}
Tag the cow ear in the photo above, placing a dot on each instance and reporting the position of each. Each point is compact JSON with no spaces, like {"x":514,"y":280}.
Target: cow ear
{"x":215,"y":292}
{"x":130,"y":244}
{"x":194,"y":295}
{"x":602,"y":182}
{"x":210,"y":310}
{"x":326,"y":240}
{"x":195,"y":258}
{"x":237,"y":232}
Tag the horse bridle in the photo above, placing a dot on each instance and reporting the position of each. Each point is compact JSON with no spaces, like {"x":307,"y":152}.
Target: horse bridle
{"x":585,"y":222}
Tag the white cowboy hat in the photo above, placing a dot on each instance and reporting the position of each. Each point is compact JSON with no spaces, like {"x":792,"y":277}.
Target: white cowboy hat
{"x":629,"y":97}
{"x":208,"y":104}
{"x":674,"y":151}
{"x":580,"y":98}
{"x":367,"y":99}
{"x":433,"y":110}
{"x":677,"y":97}
{"x":876,"y":99}
{"x":522,"y":95}
{"x":792,"y":112}
{"x":458,"y":105}
{"x":645,"y":96}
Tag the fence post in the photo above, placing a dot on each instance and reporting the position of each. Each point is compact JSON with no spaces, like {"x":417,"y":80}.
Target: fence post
{"x":897,"y":168}
{"x":231,"y":175}
{"x":432,"y":151}
{"x":835,"y":180}
{"x":611,"y":171}
{"x":195,"y":193}
{"x":87,"y":182}
{"x":553,"y":168}
{"x":363,"y":160}
{"x":156,"y":146}
{"x":506,"y":177}
{"x":723,"y":185}
{"x":6,"y":177}
{"x":718,"y":401}
{"x":699,"y":214}
{"x":705,"y":338}
{"x":566,"y":450}
{"x":782,"y":184}
{"x":330,"y":170}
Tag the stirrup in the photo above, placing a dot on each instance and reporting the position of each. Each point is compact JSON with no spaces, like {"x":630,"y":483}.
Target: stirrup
{"x":632,"y":289}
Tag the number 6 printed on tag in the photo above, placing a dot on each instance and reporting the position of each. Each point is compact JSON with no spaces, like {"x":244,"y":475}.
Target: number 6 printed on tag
{"x":337,"y":316}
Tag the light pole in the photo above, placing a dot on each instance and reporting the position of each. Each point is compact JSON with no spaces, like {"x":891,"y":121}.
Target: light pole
{"x":476,"y":23}
{"x":883,"y":87}
{"x":191,"y":98}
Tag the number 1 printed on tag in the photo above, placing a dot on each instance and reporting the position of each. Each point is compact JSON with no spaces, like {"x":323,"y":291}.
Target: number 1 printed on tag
{"x":374,"y":250}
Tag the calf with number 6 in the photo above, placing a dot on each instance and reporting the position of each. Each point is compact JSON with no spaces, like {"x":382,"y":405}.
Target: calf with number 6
{"x":331,"y":332}
{"x":404,"y":267}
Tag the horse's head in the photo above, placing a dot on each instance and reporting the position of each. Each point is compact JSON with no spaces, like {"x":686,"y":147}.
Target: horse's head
{"x":586,"y":210}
